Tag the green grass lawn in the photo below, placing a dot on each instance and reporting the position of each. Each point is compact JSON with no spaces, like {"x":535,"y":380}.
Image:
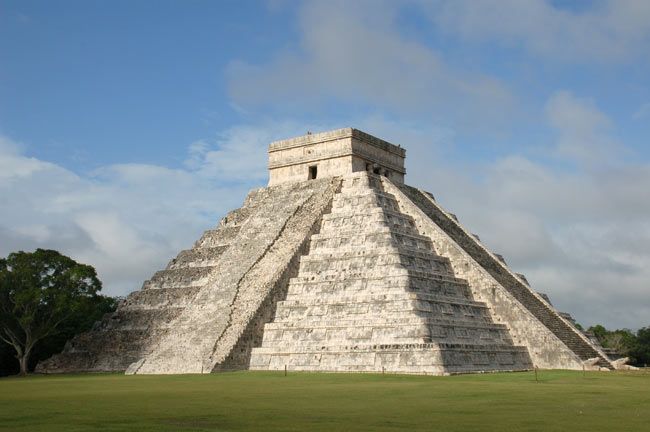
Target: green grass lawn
{"x":265,"y":401}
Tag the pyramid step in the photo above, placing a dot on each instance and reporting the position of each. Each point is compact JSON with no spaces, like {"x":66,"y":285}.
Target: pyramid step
{"x":365,"y":198}
{"x":384,"y":236}
{"x":348,"y":227}
{"x":398,"y":274}
{"x":197,"y":257}
{"x":411,"y":258}
{"x":394,"y":320}
{"x":317,"y":253}
{"x":237,"y":217}
{"x":101,"y":351}
{"x":456,"y":289}
{"x":178,"y":278}
{"x":152,"y":298}
{"x":343,"y":271}
{"x":380,"y":292}
{"x":346,"y":204}
{"x":143,"y":318}
{"x":394,"y":309}
{"x":395,"y":347}
{"x":395,"y":358}
{"x":431,"y":323}
{"x":368,"y":219}
{"x":284,"y":339}
{"x":222,"y":236}
{"x":308,"y":299}
{"x":407,"y":280}
{"x":371,"y":212}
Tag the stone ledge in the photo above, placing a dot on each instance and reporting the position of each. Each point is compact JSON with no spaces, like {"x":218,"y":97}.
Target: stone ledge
{"x":334,"y":135}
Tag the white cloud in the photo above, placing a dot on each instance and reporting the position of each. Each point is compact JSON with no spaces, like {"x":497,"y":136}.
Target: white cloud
{"x":127,"y":220}
{"x":581,"y":236}
{"x":239,"y":153}
{"x":13,"y":166}
{"x":584,"y":131}
{"x":354,"y":51}
{"x":610,"y":30}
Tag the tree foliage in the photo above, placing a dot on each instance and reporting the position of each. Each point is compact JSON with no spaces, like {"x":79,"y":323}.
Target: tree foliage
{"x":636,"y":346}
{"x":641,"y":349}
{"x":44,"y":298}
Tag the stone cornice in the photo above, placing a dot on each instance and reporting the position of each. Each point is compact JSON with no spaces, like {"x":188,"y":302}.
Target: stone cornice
{"x":335,"y":135}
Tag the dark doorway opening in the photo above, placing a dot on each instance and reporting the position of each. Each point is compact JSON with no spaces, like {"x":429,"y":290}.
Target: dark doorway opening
{"x":313,"y":172}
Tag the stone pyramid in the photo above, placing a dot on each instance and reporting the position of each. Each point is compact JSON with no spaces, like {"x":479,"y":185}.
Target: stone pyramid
{"x":337,"y":265}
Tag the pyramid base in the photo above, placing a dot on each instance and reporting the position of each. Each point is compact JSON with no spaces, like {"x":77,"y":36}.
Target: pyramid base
{"x":425,"y":359}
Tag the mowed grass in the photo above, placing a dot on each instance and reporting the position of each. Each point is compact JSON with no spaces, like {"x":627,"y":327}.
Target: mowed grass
{"x":268,"y":401}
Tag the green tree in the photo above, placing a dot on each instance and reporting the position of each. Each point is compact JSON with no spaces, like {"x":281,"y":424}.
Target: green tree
{"x":641,"y":350}
{"x":621,"y":341}
{"x":41,"y":293}
{"x":599,"y":331}
{"x":626,"y":343}
{"x":78,"y":323}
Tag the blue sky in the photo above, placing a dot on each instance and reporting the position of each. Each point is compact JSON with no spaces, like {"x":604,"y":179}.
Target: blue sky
{"x":129,"y":127}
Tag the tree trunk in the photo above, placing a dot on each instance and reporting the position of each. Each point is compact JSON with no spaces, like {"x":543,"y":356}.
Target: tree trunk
{"x":23,"y":364}
{"x":23,"y":360}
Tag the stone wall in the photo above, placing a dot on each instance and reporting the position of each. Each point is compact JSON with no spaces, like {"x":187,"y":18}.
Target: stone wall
{"x":334,"y":153}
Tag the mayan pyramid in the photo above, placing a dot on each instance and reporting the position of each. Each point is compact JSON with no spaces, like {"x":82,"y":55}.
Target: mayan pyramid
{"x":337,"y":265}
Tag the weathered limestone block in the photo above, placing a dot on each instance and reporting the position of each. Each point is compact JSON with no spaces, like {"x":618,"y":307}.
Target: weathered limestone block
{"x":197,"y":257}
{"x":158,"y":298}
{"x":180,"y":277}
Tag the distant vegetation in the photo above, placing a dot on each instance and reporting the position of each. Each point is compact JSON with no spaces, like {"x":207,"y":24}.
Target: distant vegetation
{"x":636,"y":346}
{"x":45,"y":299}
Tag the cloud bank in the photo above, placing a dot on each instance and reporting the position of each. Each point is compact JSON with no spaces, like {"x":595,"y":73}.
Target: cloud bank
{"x":579,"y":235}
{"x":604,"y":31}
{"x":127,"y":220}
{"x":347,"y":54}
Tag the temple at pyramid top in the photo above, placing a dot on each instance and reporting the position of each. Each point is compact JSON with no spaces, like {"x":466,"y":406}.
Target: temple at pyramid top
{"x":334,"y":153}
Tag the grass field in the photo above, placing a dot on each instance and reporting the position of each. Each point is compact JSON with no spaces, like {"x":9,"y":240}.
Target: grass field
{"x":264,"y":401}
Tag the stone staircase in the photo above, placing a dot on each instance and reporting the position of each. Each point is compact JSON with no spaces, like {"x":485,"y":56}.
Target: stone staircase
{"x":373,"y":295}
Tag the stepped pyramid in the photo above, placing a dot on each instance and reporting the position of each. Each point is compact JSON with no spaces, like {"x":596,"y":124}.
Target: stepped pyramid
{"x":337,"y":265}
